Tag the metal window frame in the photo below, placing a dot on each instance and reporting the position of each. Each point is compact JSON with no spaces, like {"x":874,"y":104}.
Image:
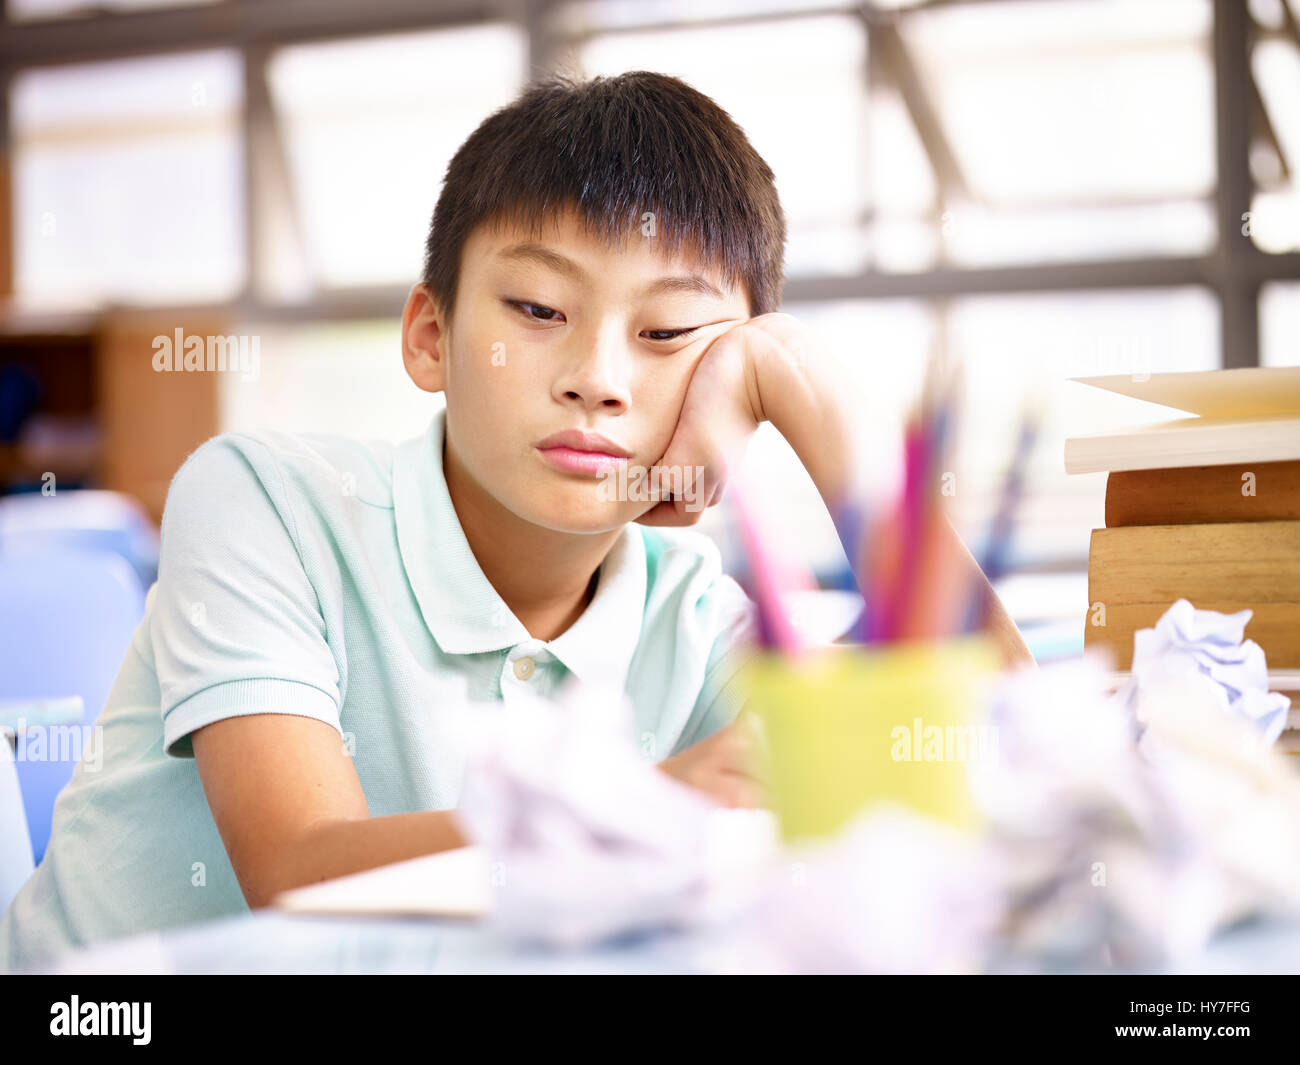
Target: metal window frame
{"x":1235,"y":270}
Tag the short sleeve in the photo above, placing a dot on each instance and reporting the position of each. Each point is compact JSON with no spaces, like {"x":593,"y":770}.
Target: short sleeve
{"x":236,"y":625}
{"x":721,"y":700}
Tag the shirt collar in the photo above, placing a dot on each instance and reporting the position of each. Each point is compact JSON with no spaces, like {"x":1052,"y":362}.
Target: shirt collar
{"x":462,"y":610}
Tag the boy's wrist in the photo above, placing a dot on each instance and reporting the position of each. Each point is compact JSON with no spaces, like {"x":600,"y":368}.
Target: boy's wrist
{"x":801,"y":396}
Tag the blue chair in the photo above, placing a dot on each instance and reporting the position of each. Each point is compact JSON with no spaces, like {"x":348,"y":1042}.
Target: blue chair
{"x":80,"y":518}
{"x":66,"y":620}
{"x":16,"y":859}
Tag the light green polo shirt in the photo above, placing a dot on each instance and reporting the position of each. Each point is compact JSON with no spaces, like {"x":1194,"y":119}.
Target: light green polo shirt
{"x":330,"y":577}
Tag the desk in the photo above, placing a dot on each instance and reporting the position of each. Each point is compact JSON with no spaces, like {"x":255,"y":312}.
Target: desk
{"x":267,"y":941}
{"x":270,"y":942}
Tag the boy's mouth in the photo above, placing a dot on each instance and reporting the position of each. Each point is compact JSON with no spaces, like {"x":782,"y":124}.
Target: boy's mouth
{"x":577,"y":440}
{"x":575,"y":451}
{"x":572,"y":460}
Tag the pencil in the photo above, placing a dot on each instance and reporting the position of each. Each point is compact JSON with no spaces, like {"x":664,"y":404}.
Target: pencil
{"x":934,"y":609}
{"x":848,"y":518}
{"x":993,"y":560}
{"x":775,"y":629}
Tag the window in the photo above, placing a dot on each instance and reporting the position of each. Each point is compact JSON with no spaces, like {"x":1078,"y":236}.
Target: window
{"x":336,"y":377}
{"x":370,"y":126}
{"x":1083,"y":129}
{"x":32,"y":10}
{"x":128,"y":180}
{"x":796,"y":87}
{"x":1279,"y":324}
{"x":1275,"y":211}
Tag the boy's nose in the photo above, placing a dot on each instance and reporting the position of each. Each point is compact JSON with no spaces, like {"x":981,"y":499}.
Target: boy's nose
{"x":596,"y":379}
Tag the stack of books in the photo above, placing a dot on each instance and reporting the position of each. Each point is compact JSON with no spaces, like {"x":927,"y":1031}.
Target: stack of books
{"x":1203,"y":508}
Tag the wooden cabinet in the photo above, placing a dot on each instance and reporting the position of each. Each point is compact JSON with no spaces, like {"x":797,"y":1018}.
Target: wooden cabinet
{"x":104,"y":416}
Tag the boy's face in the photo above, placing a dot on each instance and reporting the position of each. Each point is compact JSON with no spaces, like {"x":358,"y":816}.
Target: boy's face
{"x":554,"y":333}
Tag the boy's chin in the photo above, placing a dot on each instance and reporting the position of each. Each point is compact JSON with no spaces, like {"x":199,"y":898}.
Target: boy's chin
{"x":580,"y":513}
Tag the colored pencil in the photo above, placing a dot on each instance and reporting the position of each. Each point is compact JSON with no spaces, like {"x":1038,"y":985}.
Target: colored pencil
{"x":933,"y":609}
{"x":994,"y":558}
{"x":767,"y":582}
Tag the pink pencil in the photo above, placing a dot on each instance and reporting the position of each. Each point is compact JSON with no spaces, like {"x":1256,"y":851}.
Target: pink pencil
{"x":911,"y":518}
{"x":774,"y":626}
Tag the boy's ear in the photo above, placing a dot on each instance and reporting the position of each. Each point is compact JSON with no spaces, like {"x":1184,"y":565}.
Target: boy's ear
{"x":424,"y":340}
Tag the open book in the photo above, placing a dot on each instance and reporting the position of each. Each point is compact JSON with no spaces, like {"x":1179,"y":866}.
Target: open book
{"x":1244,"y":415}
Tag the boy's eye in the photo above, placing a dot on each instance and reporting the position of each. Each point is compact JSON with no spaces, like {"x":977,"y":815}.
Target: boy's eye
{"x":669,"y":334}
{"x":544,"y":314}
{"x":538,"y":313}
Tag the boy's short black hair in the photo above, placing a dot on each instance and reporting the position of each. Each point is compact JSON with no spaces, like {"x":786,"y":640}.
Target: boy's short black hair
{"x":616,"y":148}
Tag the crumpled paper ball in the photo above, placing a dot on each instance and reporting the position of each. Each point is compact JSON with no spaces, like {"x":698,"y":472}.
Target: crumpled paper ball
{"x":1208,"y":644}
{"x":893,"y":892}
{"x":586,"y":839}
{"x":1066,"y":800}
{"x":1228,"y":792}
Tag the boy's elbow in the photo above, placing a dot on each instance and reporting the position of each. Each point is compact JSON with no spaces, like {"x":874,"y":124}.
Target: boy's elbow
{"x":291,"y":867}
{"x":1006,"y":636}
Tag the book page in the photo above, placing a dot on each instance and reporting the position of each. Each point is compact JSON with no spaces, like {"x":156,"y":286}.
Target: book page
{"x":1239,"y":393}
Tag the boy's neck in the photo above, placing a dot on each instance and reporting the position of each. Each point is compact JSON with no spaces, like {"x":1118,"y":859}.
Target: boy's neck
{"x":546,"y":578}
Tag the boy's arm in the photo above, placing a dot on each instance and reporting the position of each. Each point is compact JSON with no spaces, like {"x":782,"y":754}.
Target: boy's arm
{"x":768,"y":369}
{"x":804,"y":398}
{"x":251,"y":686}
{"x":287,"y":801}
{"x":724,"y":766}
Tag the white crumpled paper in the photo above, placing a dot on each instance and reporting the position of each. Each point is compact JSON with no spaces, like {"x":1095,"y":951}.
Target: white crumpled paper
{"x":1133,"y":827}
{"x":1208,"y":644}
{"x":586,"y":839}
{"x":893,"y":892}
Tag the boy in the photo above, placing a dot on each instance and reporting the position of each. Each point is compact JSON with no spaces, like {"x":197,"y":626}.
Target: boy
{"x":600,"y":285}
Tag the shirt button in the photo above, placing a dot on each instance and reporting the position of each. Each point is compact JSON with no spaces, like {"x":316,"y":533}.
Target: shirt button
{"x":524,"y":668}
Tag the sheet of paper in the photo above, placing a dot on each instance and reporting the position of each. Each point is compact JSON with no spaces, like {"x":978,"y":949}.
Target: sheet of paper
{"x":1212,"y":393}
{"x":457,"y":883}
{"x":451,"y":883}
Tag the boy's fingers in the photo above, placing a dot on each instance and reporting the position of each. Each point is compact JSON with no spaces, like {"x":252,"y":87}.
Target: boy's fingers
{"x":677,"y":497}
{"x":748,"y":729}
{"x":667,"y":513}
{"x":740,"y":792}
{"x":744,"y":759}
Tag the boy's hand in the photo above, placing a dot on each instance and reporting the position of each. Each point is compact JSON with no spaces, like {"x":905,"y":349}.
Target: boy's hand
{"x":722,"y":409}
{"x":725,"y":766}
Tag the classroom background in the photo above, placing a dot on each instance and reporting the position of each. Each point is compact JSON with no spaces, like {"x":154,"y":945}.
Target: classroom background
{"x":1039,"y":189}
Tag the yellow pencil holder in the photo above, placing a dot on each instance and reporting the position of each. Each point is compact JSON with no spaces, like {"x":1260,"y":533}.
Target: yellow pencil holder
{"x":846,"y":727}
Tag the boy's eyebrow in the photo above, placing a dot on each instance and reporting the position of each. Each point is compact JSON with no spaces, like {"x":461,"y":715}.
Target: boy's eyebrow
{"x":562,"y":264}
